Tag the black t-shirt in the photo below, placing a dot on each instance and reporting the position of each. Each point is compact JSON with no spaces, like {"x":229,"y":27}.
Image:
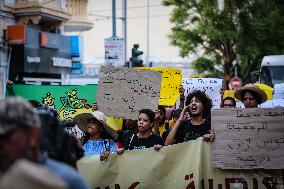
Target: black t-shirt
{"x":124,"y":137}
{"x":187,"y":131}
{"x":134,"y":142}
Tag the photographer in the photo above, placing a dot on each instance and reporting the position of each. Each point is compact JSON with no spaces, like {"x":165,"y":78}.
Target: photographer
{"x":57,"y":143}
{"x":20,"y":130}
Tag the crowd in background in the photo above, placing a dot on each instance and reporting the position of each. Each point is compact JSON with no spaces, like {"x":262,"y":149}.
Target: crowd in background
{"x":32,"y":132}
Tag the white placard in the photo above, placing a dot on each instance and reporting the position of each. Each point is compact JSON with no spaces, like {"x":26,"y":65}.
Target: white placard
{"x":278,"y":91}
{"x":211,"y":86}
{"x":272,"y":103}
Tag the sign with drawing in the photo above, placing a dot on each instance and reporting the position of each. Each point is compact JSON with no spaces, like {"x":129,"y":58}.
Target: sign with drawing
{"x":123,"y":91}
{"x":68,"y":101}
{"x":248,"y":138}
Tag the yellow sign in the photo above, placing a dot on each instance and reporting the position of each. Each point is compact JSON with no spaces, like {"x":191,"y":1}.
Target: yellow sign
{"x":268,"y":90}
{"x":115,"y":123}
{"x":171,"y":81}
{"x":181,"y":166}
{"x":230,"y":93}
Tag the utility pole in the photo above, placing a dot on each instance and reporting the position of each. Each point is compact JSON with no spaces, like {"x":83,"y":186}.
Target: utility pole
{"x":148,"y":29}
{"x":124,"y":26}
{"x":113,"y":18}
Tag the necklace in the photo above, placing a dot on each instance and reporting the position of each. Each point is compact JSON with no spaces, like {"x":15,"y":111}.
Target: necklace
{"x":203,"y":121}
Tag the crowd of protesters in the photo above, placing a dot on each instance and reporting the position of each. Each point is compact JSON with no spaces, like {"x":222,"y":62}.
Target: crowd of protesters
{"x":26,"y":133}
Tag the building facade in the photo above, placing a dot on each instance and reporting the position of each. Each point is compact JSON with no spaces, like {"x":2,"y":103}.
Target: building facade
{"x":33,"y":42}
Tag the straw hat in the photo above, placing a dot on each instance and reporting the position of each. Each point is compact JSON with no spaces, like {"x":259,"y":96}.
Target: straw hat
{"x":251,"y":87}
{"x":81,"y":120}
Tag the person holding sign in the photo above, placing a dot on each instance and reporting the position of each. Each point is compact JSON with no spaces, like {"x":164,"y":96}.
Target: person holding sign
{"x":98,"y":139}
{"x":160,"y":118}
{"x":193,"y":122}
{"x":251,"y":95}
{"x":145,"y":137}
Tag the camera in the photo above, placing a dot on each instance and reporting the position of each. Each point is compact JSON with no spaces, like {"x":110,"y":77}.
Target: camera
{"x":54,"y":141}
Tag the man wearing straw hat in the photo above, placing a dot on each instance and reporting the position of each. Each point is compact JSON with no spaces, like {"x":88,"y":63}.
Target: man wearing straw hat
{"x":251,"y":95}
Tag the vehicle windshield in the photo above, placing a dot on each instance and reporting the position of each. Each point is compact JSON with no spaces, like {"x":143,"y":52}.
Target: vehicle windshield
{"x":271,"y":75}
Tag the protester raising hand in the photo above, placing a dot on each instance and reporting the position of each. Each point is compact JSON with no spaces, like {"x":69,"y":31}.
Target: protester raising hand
{"x":198,"y":106}
{"x":184,"y":114}
{"x":159,"y":122}
{"x":181,"y":97}
{"x":156,"y":122}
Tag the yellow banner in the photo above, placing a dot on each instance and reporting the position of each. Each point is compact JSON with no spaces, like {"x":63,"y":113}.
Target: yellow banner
{"x":171,"y":81}
{"x":181,"y":166}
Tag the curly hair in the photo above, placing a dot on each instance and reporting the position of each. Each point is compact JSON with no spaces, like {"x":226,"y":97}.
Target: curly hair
{"x":205,"y":100}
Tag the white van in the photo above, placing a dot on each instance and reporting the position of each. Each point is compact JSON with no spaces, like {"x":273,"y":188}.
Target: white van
{"x":272,"y":70}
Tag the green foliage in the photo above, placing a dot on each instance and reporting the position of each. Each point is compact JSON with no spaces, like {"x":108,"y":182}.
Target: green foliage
{"x":212,"y":70}
{"x":250,"y":28}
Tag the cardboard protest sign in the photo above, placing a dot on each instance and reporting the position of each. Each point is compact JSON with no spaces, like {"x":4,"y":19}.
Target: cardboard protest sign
{"x":211,"y":86}
{"x":248,"y":138}
{"x":67,"y":100}
{"x":171,"y":82}
{"x":123,"y":91}
{"x":278,"y":91}
{"x":180,"y":166}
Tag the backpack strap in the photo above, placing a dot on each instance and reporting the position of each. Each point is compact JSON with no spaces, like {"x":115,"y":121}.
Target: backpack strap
{"x":107,"y":145}
{"x":131,"y":139}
